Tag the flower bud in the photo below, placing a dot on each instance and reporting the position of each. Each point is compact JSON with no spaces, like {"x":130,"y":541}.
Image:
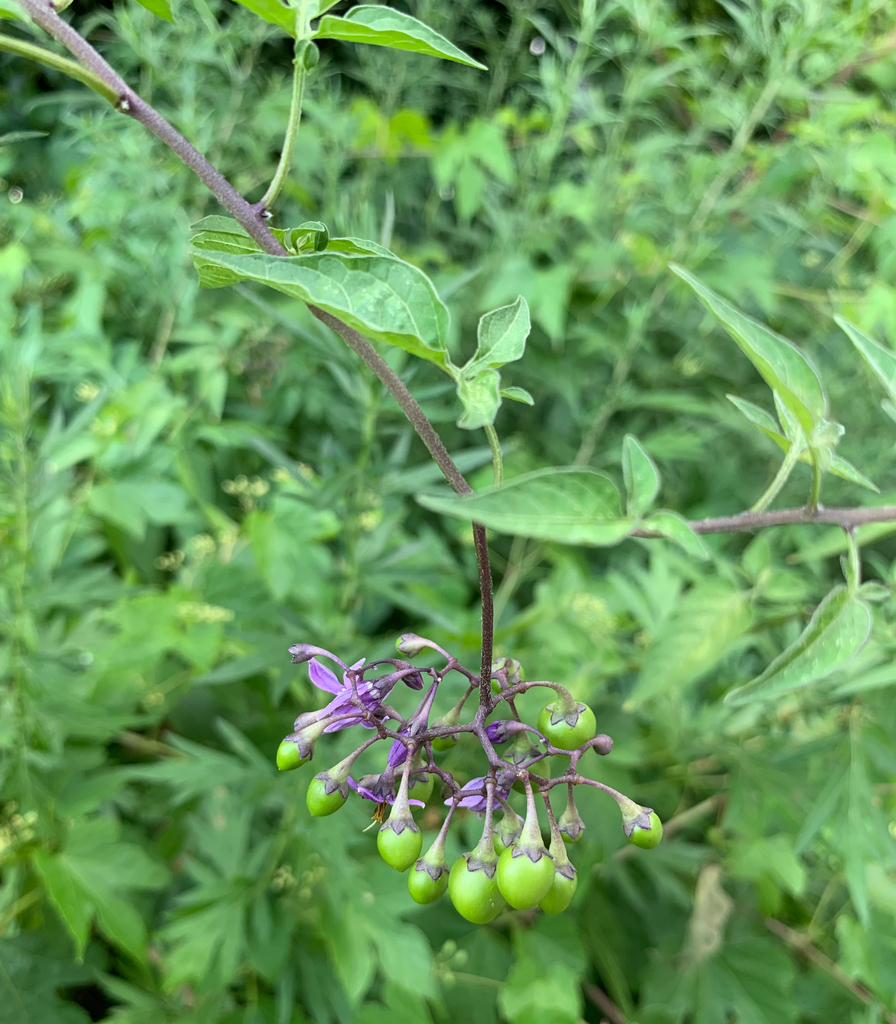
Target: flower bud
{"x":411,"y":644}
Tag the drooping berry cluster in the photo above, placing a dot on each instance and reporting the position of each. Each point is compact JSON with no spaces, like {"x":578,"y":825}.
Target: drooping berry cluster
{"x":511,"y":864}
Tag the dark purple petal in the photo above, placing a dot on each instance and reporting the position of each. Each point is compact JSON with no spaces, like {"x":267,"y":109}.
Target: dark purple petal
{"x":323,"y":678}
{"x":397,"y":755}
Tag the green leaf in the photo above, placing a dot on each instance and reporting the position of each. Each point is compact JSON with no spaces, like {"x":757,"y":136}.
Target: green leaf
{"x":699,"y":633}
{"x":382,"y":26}
{"x":275,"y":12}
{"x":501,"y":336}
{"x":10,"y":9}
{"x":570,"y":505}
{"x":87,"y":878}
{"x":536,"y":992}
{"x":518,"y":395}
{"x":160,"y":8}
{"x":675,"y":528}
{"x":847,"y":471}
{"x":480,"y":397}
{"x":837,"y":630}
{"x":766,"y":423}
{"x":764,"y":420}
{"x":379,"y":295}
{"x":782,"y":366}
{"x":642,"y":478}
{"x":748,"y":981}
{"x":881,"y":360}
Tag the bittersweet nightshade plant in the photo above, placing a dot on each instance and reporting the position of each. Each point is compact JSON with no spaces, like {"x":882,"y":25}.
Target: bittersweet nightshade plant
{"x":366,"y":294}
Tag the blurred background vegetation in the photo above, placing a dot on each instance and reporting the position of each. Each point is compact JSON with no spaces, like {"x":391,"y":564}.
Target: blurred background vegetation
{"x":193,"y":481}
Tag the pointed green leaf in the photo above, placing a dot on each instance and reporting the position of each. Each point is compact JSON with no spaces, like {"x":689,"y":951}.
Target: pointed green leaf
{"x":674,"y":527}
{"x":502,"y":336}
{"x":642,"y":478}
{"x":847,"y":471}
{"x":764,"y":420}
{"x":518,"y":395}
{"x":881,"y":360}
{"x":273,"y":11}
{"x":837,"y":630}
{"x":382,"y":26}
{"x":766,"y":423}
{"x":160,"y":8}
{"x":571,"y":505}
{"x":381,"y":296}
{"x":702,"y":629}
{"x":783,"y":367}
{"x":480,"y":397}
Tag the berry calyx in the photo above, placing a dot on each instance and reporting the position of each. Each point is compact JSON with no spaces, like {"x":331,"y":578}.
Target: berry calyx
{"x":650,"y":835}
{"x":523,"y":878}
{"x":565,"y":881}
{"x":399,"y":849}
{"x":473,"y":888}
{"x":559,"y":896}
{"x":288,"y":756}
{"x":320,"y":802}
{"x":570,"y":822}
{"x":526,"y":870}
{"x":507,"y":833}
{"x":428,"y":879}
{"x":567,"y":727}
{"x":399,"y":840}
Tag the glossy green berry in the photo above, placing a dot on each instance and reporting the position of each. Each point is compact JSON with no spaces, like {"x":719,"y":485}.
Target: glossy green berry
{"x":500,"y":846}
{"x":320,"y":802}
{"x":474,"y":894}
{"x":423,"y":887}
{"x":444,"y":742}
{"x":560,"y":894}
{"x":524,"y":882}
{"x":567,"y":730}
{"x":648,"y":838}
{"x":422,"y":788}
{"x":399,"y":849}
{"x":288,"y":756}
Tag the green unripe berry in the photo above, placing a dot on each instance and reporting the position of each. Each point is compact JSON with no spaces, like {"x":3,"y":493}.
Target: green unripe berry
{"x":444,"y":742}
{"x":423,"y":887}
{"x":399,"y":849}
{"x":524,"y":882}
{"x":567,"y":730}
{"x":288,"y":756}
{"x":422,"y":788}
{"x":560,"y":894}
{"x":474,"y":894}
{"x":648,"y":838}
{"x":320,"y":802}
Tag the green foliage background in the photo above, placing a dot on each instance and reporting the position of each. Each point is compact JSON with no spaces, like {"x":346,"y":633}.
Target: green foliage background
{"x":191,"y":481}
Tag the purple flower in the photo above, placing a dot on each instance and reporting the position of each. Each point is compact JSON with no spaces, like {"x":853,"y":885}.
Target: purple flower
{"x":370,"y":692}
{"x":475,"y":800}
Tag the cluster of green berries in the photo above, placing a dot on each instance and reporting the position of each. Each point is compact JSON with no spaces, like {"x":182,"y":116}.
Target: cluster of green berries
{"x":511,"y":865}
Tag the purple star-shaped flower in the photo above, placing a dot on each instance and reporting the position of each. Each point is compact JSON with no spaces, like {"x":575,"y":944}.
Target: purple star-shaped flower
{"x":371,"y":693}
{"x":476,"y":796}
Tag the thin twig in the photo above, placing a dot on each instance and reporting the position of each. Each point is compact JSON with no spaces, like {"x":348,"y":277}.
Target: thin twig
{"x":252,"y":219}
{"x":815,"y":955}
{"x":605,"y":1004}
{"x":848,"y":518}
